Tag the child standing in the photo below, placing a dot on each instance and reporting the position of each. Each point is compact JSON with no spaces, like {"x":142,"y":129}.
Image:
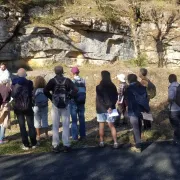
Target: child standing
{"x":41,"y":107}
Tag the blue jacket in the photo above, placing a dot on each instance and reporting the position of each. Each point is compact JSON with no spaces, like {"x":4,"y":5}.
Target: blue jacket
{"x":137,"y":99}
{"x":23,"y":81}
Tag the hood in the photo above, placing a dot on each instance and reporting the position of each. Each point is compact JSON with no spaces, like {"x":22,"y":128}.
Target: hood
{"x":137,"y":87}
{"x":19,"y":80}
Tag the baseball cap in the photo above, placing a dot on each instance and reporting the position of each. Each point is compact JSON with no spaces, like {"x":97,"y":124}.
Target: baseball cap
{"x":75,"y":70}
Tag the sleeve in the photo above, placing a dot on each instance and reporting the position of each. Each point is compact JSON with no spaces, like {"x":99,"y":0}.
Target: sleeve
{"x":72,"y":88}
{"x":171,"y":93}
{"x":49,"y":88}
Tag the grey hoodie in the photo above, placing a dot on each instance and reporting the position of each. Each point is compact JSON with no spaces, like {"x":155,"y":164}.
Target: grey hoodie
{"x":172,"y":95}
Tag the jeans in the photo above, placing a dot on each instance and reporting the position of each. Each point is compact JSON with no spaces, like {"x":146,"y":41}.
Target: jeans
{"x":64,"y":114}
{"x":40,"y":117}
{"x":174,"y":117}
{"x":2,"y":132}
{"x":77,"y":113}
{"x":29,"y":117}
{"x":136,"y":124}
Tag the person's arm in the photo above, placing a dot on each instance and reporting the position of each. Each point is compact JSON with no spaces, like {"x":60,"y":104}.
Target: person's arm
{"x":171,"y":94}
{"x":49,"y":88}
{"x":72,"y":88}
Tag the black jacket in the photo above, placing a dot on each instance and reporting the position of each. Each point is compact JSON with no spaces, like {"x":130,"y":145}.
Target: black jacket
{"x":106,"y":97}
{"x":50,"y":87}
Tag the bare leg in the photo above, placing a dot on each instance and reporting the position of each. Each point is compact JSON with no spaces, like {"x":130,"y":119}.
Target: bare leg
{"x":101,"y":132}
{"x":113,"y":131}
{"x":38,"y":133}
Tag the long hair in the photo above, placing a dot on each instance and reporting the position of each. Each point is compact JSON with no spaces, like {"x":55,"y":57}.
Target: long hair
{"x":39,"y":82}
{"x":106,"y":78}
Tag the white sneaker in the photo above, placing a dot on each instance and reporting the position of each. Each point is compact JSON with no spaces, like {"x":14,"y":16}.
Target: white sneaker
{"x":101,"y":144}
{"x":34,"y":147}
{"x":115,"y":146}
{"x":25,"y":148}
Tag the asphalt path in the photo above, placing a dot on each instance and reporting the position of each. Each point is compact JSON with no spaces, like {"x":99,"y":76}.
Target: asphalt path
{"x":158,"y":161}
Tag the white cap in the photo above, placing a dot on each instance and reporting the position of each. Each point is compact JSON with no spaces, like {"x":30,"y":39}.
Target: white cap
{"x":121,"y":77}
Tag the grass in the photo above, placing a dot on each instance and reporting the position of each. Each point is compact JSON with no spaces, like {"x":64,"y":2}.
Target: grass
{"x":161,"y":129}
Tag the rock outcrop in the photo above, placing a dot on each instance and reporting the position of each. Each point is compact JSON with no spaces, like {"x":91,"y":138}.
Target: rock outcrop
{"x":78,"y":39}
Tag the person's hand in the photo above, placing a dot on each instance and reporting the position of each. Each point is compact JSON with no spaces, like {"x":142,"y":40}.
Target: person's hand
{"x":109,"y":110}
{"x":118,"y":102}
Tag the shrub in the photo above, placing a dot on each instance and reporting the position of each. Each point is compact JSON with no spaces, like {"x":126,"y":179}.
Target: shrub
{"x":140,"y":61}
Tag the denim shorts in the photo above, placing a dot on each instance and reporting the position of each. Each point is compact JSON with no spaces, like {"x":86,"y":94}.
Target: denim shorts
{"x":40,"y":117}
{"x":103,"y":117}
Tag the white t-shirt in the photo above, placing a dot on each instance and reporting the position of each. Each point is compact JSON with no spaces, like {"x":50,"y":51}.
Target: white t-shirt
{"x":4,"y":75}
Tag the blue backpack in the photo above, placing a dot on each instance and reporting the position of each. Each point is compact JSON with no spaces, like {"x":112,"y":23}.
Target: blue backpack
{"x":80,"y":98}
{"x":40,"y":99}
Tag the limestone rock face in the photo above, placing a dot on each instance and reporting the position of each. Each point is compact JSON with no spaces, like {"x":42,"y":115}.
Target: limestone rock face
{"x":81,"y":39}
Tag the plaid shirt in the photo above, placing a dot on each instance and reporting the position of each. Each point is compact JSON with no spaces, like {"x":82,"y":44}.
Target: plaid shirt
{"x":121,"y":90}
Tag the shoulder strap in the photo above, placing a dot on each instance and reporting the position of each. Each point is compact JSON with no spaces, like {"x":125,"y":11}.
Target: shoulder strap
{"x":62,"y":83}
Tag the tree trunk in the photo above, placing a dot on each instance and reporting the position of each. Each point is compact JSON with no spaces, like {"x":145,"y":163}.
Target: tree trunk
{"x":160,"y":52}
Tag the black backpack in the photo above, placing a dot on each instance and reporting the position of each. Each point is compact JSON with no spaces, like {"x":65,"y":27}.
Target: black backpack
{"x":177,"y":99}
{"x":22,"y":100}
{"x":60,"y":95}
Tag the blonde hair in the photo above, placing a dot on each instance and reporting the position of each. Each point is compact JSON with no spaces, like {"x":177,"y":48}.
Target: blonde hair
{"x":39,"y":82}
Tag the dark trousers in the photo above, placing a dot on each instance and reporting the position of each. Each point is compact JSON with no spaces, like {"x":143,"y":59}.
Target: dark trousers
{"x":147,"y":124}
{"x":29,"y":117}
{"x":174,"y":117}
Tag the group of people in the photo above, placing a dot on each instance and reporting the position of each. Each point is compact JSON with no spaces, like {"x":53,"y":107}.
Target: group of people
{"x":30,"y":103}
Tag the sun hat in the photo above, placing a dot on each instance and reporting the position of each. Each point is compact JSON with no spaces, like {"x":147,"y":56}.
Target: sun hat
{"x":75,"y":70}
{"x":121,"y":77}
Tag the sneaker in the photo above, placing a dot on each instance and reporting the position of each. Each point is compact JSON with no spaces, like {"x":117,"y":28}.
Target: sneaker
{"x":56,"y":149}
{"x":67,"y":149}
{"x":115,"y":146}
{"x":101,"y":144}
{"x":34,"y":147}
{"x":25,"y":148}
{"x":135,"y":149}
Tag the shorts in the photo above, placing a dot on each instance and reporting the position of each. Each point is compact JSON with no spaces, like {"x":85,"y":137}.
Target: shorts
{"x":103,"y":117}
{"x":40,"y":117}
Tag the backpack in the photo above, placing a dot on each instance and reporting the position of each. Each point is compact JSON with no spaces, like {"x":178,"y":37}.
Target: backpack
{"x":80,"y":98}
{"x":60,"y":96}
{"x":151,"y":90}
{"x":40,"y":99}
{"x":22,"y":101}
{"x":177,"y":99}
{"x":142,"y":101}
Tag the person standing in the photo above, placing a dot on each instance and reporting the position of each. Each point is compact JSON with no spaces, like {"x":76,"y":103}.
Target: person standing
{"x":62,"y":89}
{"x":77,"y":106}
{"x":151,"y":91}
{"x":106,"y":98}
{"x":22,"y":90}
{"x":40,"y":107}
{"x":5,"y":96}
{"x":137,"y":101}
{"x":174,"y":108}
{"x":121,"y":99}
{"x":4,"y":73}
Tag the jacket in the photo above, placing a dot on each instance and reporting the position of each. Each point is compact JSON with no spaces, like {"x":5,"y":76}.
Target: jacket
{"x":172,"y":95}
{"x":137,"y":105}
{"x":23,"y":82}
{"x":50,"y":87}
{"x":106,"y":97}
